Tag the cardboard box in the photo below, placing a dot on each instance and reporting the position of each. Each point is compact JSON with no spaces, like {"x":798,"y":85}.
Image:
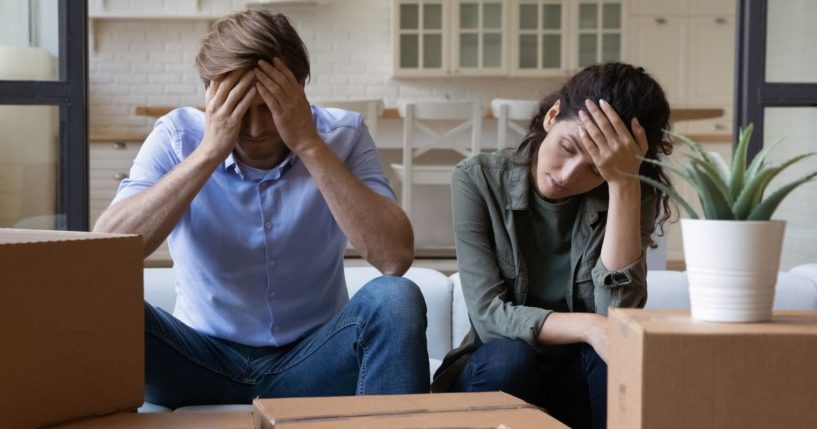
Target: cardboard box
{"x":669,"y":371}
{"x":438,"y":411}
{"x":177,"y":420}
{"x":71,"y":324}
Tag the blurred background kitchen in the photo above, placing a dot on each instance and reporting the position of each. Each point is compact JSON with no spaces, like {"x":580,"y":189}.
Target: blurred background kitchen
{"x":131,"y":61}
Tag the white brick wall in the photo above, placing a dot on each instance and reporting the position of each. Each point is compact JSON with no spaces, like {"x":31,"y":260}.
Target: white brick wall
{"x":150,"y":62}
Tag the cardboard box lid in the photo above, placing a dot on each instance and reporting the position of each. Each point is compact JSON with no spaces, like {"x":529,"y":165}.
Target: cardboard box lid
{"x":444,"y":410}
{"x":72,"y":315}
{"x":169,"y":420}
{"x":680,"y":322}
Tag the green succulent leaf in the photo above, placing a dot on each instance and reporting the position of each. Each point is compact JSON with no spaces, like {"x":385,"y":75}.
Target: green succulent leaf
{"x":760,"y":158}
{"x":739,"y":161}
{"x":715,"y":204}
{"x":752,"y":193}
{"x":765,"y":209}
{"x":672,"y":194}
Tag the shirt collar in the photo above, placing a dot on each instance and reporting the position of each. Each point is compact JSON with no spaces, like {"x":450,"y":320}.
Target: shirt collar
{"x":232,"y":164}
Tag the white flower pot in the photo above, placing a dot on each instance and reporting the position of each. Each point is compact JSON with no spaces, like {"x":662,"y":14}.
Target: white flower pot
{"x":732,"y":268}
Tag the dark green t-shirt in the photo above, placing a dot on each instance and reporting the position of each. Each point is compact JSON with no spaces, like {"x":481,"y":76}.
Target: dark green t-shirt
{"x":545,"y":240}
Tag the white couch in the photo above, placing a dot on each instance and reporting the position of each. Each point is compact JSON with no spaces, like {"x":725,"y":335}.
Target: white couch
{"x":448,"y":316}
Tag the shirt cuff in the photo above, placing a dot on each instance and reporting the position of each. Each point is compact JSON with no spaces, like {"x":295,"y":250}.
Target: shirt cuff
{"x":617,"y":278}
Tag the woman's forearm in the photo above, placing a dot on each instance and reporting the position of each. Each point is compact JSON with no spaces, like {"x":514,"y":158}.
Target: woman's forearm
{"x":622,"y":237}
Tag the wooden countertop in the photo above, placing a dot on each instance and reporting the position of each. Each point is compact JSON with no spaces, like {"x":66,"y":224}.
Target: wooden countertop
{"x":678,"y":115}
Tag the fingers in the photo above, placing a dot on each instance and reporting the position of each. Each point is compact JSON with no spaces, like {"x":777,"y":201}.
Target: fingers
{"x":244,"y":104}
{"x":596,"y":140}
{"x":601,"y":120}
{"x":617,"y":124}
{"x":223,"y":87}
{"x":269,"y":99}
{"x":278,"y":75}
{"x":238,"y":91}
{"x":590,"y":146}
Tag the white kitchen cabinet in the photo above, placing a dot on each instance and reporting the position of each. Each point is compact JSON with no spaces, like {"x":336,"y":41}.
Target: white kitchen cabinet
{"x":689,"y":49}
{"x":421,"y":37}
{"x":711,"y":59}
{"x":660,"y":45}
{"x":109,"y":163}
{"x":480,"y":30}
{"x":539,"y":38}
{"x":660,"y":7}
{"x":525,"y":38}
{"x":598,"y":27}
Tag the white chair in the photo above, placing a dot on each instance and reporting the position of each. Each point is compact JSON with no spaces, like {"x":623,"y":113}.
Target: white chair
{"x":370,"y":109}
{"x":417,"y":116}
{"x":507,"y":114}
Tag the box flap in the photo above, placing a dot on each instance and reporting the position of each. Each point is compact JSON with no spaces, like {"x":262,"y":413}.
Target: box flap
{"x":302,"y":409}
{"x":180,"y":420}
{"x":445,"y":410}
{"x":24,"y":236}
{"x":680,"y":322}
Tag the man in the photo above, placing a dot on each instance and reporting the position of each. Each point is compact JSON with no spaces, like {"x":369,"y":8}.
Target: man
{"x":258,"y":196}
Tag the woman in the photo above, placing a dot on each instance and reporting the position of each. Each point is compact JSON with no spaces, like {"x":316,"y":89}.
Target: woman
{"x":553,"y":233}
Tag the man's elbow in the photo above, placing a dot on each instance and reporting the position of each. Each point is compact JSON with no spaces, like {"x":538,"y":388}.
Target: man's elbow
{"x":398,"y":263}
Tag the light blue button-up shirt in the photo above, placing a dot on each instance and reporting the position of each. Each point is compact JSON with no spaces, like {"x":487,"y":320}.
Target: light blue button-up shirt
{"x":258,"y":256}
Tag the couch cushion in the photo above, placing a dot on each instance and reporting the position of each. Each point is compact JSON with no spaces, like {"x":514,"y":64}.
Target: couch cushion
{"x":670,"y":289}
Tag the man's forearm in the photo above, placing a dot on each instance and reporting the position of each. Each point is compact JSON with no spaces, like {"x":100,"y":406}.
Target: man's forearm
{"x":375,"y":226}
{"x":154,"y":212}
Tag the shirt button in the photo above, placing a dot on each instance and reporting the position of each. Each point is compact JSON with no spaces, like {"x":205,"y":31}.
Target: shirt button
{"x":271,"y":263}
{"x":268,"y":225}
{"x":276,"y":328}
{"x":272,"y":294}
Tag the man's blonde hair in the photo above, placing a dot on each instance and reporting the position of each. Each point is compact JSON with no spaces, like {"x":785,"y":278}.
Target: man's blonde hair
{"x":239,"y":40}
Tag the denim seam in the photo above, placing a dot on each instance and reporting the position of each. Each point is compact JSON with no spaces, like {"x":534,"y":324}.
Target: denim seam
{"x":194,"y":359}
{"x":345,"y":324}
{"x":247,"y":369}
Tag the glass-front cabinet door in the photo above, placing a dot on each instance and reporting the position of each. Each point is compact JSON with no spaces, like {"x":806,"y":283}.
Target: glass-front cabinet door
{"x":480,"y":31}
{"x":540,"y":39}
{"x":599,"y":30}
{"x":421,"y":40}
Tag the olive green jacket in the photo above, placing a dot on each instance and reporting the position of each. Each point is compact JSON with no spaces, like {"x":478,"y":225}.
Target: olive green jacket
{"x":490,"y":192}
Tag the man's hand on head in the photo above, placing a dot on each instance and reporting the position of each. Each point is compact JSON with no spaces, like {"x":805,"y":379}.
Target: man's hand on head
{"x":227,"y":100}
{"x":286,"y":100}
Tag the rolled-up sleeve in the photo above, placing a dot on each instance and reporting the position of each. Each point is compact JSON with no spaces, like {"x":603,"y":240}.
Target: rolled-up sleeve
{"x":487,"y":297}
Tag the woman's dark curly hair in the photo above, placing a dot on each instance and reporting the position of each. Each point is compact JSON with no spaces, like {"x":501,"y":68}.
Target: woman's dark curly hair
{"x":632,"y":93}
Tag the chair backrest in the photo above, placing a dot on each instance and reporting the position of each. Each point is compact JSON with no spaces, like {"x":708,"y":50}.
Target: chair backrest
{"x":370,"y":109}
{"x":512,"y":115}
{"x":443,"y":124}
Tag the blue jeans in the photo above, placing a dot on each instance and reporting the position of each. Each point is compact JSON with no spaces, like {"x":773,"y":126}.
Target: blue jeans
{"x":574,"y":392}
{"x":376,"y":345}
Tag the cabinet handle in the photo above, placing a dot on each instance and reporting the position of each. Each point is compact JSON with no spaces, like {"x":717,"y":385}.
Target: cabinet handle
{"x":120,"y":176}
{"x":720,"y":20}
{"x":720,"y":127}
{"x":119,"y":145}
{"x":660,"y":21}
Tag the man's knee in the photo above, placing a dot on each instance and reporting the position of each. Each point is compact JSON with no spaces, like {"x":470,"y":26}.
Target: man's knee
{"x":396,"y":299}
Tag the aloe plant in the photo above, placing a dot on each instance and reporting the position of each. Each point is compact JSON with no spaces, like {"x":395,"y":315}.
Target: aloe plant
{"x":733,"y":192}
